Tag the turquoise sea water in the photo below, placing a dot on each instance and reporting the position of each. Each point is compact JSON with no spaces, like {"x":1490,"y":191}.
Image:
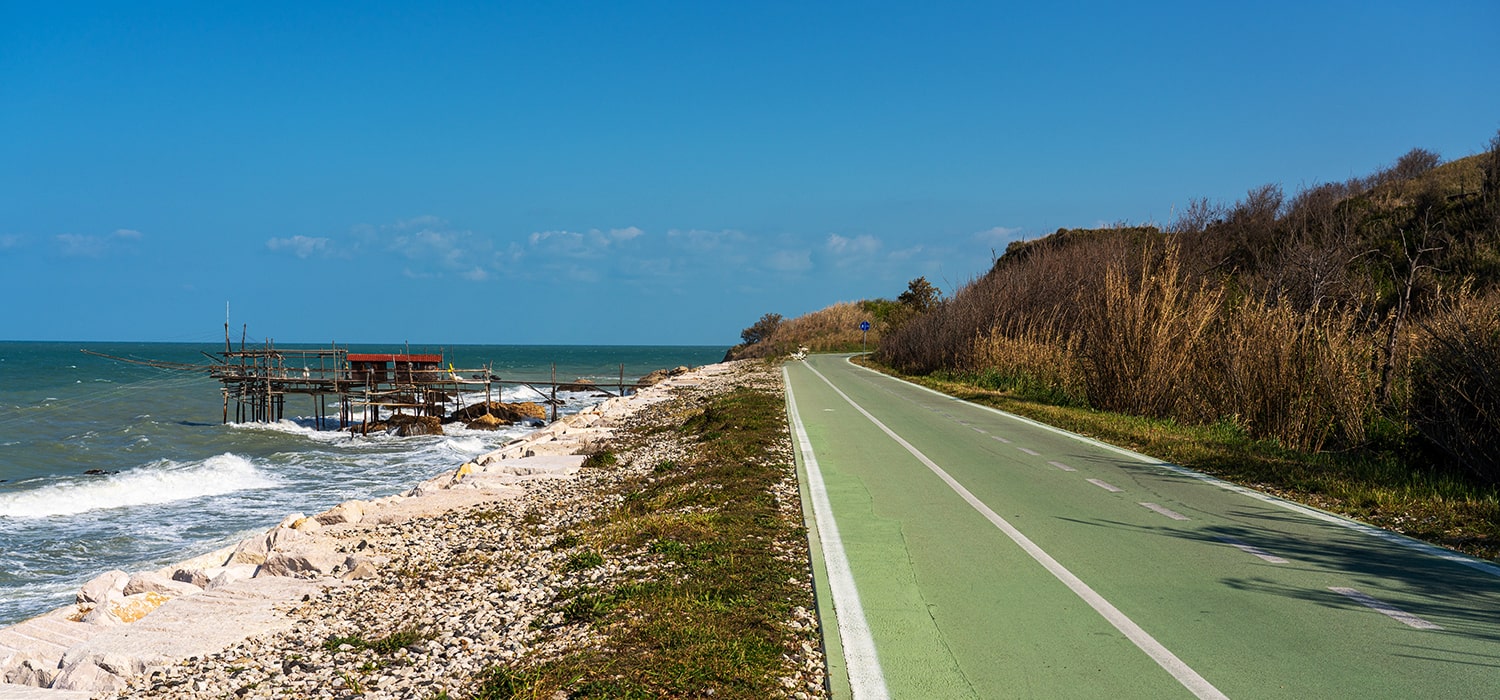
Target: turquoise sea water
{"x":176,"y":482}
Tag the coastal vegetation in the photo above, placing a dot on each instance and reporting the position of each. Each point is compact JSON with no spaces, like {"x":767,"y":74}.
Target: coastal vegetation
{"x":722,"y":528}
{"x":1336,"y":346}
{"x":835,"y":328}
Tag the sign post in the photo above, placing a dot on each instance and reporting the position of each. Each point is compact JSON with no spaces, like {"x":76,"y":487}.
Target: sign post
{"x":864,"y":332}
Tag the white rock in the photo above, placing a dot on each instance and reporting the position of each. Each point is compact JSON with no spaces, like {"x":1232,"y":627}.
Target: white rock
{"x":154,"y":582}
{"x":313,"y":558}
{"x":346,"y":512}
{"x":101,"y":588}
{"x":230,"y":574}
{"x":86,"y":675}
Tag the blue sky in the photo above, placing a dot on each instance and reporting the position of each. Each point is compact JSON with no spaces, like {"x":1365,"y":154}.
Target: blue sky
{"x":647,"y":173}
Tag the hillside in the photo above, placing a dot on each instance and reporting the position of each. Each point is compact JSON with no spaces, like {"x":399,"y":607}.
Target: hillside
{"x":1359,"y":315}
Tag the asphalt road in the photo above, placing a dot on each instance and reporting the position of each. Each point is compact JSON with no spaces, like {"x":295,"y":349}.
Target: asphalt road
{"x":969,"y":553}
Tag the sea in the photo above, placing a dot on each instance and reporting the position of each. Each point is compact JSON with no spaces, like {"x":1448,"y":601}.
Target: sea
{"x":107,"y":464}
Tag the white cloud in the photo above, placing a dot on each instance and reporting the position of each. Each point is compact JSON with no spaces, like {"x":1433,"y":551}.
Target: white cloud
{"x":697,"y":239}
{"x":128,"y":233}
{"x":850,"y":247}
{"x":76,"y":245}
{"x":905,"y":253}
{"x":476,"y":274}
{"x":11,"y":240}
{"x":790,"y":260}
{"x":300,"y":246}
{"x":997,"y":235}
{"x":625,"y":234}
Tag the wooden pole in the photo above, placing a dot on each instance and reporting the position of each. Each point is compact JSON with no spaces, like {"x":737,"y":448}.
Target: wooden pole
{"x":554,"y":392}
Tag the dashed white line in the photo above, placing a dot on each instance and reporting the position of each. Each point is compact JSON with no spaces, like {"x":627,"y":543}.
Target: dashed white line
{"x":1033,"y":453}
{"x":865,"y":677}
{"x":1105,"y":485}
{"x":1166,"y":511}
{"x":1062,"y":466}
{"x":1190,"y":679}
{"x":1253,"y":550}
{"x":1386,"y":609}
{"x":1001,"y":439}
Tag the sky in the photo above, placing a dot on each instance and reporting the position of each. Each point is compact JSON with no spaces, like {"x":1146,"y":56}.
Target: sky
{"x":654,"y":172}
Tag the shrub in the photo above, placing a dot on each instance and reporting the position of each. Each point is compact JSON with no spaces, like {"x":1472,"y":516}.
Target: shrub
{"x":1456,"y":383}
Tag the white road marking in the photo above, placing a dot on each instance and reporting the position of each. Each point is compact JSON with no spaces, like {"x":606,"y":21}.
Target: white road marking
{"x":1166,"y":511}
{"x":1062,"y":466}
{"x":978,"y":429}
{"x":1033,"y":453}
{"x":1001,"y":439}
{"x":1386,"y":609}
{"x":1252,"y":549}
{"x":1105,"y":485}
{"x":865,"y":677}
{"x":1314,"y":513}
{"x":1196,"y":684}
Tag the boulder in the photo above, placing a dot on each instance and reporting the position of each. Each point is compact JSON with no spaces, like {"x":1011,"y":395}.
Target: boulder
{"x":153,"y":582}
{"x":135,"y":607}
{"x":230,"y":574}
{"x":307,"y":525}
{"x":654,"y":378}
{"x":314,"y":559}
{"x":254,"y":549}
{"x":346,"y":512}
{"x":106,"y":586}
{"x":101,"y":615}
{"x":87,"y":675}
{"x":507,"y":412}
{"x":402,"y":425}
{"x":30,"y":669}
{"x":486,"y":422}
{"x":579,"y":384}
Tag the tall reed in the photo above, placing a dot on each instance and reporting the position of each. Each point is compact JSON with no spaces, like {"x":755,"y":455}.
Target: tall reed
{"x":1140,"y":334}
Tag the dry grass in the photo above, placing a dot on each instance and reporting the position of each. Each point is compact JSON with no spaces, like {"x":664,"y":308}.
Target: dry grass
{"x":1140,"y":337}
{"x":833,"y":329}
{"x":1304,"y":380}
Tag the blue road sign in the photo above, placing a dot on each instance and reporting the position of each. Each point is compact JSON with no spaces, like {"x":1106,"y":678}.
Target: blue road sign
{"x":864,"y":326}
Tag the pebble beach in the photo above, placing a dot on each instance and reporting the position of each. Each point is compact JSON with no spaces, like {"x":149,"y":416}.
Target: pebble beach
{"x":417,"y":595}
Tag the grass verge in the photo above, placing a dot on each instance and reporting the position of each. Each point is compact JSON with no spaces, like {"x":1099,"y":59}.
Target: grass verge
{"x":709,"y":620}
{"x":1379,"y":488}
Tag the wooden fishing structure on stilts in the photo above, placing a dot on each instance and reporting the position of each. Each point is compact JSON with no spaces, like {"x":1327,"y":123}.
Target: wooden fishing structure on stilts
{"x":258,"y":379}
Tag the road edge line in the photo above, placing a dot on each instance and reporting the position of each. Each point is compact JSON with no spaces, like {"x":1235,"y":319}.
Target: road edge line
{"x":861,"y":662}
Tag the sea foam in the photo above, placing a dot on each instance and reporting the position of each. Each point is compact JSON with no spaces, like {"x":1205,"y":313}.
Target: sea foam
{"x":162,"y":481}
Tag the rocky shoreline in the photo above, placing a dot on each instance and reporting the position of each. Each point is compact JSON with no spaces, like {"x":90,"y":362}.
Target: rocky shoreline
{"x":409,"y":596}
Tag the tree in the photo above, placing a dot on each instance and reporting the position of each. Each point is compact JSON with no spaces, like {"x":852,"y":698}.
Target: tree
{"x":920,"y":295}
{"x":762,"y":329}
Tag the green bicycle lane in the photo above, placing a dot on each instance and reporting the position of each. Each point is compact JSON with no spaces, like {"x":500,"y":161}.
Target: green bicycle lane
{"x":1253,"y":597}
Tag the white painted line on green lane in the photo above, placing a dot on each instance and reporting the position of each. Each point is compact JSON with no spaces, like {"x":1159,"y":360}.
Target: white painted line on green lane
{"x":1196,"y":684}
{"x":1105,"y":485}
{"x":1324,"y":516}
{"x":1166,"y":511}
{"x":1033,"y":453}
{"x":1396,"y":614}
{"x":865,"y":677}
{"x":1062,"y":466}
{"x":1252,"y":549}
{"x":1001,"y":439}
